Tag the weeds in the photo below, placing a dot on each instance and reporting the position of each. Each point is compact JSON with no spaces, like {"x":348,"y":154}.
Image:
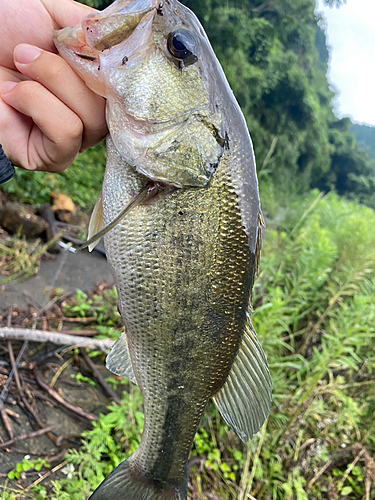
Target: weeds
{"x":20,"y":259}
{"x":100,"y":308}
{"x":315,"y":316}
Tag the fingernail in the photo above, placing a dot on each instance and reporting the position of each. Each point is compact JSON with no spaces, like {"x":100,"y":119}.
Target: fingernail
{"x":25,"y":53}
{"x":7,"y":87}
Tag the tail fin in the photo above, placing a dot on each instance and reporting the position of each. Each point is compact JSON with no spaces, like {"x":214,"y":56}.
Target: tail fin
{"x":121,"y":484}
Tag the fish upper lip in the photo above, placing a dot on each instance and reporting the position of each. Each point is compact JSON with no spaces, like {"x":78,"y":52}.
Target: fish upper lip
{"x":78,"y":34}
{"x":110,"y":36}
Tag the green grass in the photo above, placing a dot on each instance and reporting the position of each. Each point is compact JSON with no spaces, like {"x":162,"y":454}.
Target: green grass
{"x":314,"y":313}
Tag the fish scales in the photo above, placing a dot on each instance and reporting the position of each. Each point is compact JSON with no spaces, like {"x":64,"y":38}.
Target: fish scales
{"x":182,"y":350}
{"x":184,"y":253}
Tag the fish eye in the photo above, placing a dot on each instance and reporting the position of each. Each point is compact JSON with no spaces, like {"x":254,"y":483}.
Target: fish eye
{"x":183,"y":45}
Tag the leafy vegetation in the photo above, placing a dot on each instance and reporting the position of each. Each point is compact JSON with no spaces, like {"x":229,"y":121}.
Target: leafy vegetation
{"x":27,"y":465}
{"x":275,"y":57}
{"x":315,"y":316}
{"x":100,"y":308}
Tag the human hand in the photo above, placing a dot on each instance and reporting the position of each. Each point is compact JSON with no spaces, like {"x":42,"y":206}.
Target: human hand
{"x":47,"y":114}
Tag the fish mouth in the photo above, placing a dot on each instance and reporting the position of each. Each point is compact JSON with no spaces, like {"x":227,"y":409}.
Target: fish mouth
{"x":73,"y":39}
{"x":100,"y":31}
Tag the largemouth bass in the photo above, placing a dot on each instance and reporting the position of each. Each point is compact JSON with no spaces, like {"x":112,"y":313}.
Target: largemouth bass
{"x":183,"y":258}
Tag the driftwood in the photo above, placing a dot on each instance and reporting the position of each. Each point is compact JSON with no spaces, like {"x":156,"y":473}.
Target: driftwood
{"x":58,"y":338}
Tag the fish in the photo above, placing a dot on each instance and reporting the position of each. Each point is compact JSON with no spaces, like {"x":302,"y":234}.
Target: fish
{"x":181,"y":206}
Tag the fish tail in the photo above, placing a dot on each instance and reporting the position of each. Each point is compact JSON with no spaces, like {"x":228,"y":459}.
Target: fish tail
{"x":127,"y":483}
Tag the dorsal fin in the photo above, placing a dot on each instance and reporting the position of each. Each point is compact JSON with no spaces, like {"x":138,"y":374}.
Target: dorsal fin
{"x":245,"y":399}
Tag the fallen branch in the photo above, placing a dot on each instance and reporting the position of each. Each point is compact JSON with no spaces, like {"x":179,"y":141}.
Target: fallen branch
{"x":40,"y":432}
{"x":82,"y":333}
{"x":58,"y":398}
{"x":106,"y":387}
{"x":103,"y":345}
{"x":6,"y":422}
{"x":80,"y":320}
{"x":13,"y":365}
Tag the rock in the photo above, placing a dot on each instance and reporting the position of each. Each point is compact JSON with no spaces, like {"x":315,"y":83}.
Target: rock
{"x":3,"y":234}
{"x":18,"y":217}
{"x":63,"y":207}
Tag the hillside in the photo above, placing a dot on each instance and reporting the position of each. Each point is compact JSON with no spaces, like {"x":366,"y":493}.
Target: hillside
{"x":365,"y":135}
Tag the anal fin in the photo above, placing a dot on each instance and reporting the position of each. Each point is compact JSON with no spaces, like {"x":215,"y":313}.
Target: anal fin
{"x":245,"y":399}
{"x":118,"y":360}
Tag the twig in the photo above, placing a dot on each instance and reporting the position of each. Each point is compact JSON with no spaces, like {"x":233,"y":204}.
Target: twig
{"x":72,"y":239}
{"x":307,"y":443}
{"x":59,"y":372}
{"x":4,"y":416}
{"x":40,"y":432}
{"x":103,"y":345}
{"x":106,"y":387}
{"x":12,"y":413}
{"x":58,"y":398}
{"x":52,"y":231}
{"x":80,"y":320}
{"x":14,"y":367}
{"x":84,"y":333}
{"x":46,"y":475}
{"x":9,"y":318}
{"x":319,"y":473}
{"x":44,"y":397}
{"x":68,"y":437}
{"x":350,"y":468}
{"x":7,"y":423}
{"x":69,"y":226}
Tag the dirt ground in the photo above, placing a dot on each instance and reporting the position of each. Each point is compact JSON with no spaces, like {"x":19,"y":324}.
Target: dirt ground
{"x":81,"y":270}
{"x":34,"y":408}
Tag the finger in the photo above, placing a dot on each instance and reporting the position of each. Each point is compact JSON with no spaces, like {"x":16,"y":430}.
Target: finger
{"x":11,"y":75}
{"x":13,"y":130}
{"x":59,"y":78}
{"x":34,"y":22}
{"x":49,"y":139}
{"x":67,"y":13}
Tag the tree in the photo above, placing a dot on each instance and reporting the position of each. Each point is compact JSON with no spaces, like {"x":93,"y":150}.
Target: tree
{"x":275,"y":56}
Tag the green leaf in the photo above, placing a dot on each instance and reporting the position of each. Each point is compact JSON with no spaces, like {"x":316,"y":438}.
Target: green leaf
{"x":346,"y":490}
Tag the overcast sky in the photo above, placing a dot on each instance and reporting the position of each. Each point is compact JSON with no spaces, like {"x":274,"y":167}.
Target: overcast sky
{"x":351,"y":36}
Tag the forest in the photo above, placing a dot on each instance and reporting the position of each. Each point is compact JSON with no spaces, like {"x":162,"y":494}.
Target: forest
{"x":314,"y":298}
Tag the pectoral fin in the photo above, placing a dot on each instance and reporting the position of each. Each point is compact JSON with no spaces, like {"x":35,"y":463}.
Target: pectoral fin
{"x":97,"y":217}
{"x":118,"y":360}
{"x":96,"y":222}
{"x":245,"y":399}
